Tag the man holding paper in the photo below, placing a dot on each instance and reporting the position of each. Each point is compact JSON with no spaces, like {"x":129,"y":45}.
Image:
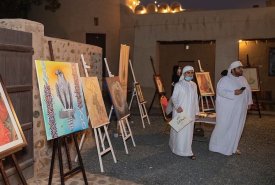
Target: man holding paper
{"x":234,"y":97}
{"x":184,"y":99}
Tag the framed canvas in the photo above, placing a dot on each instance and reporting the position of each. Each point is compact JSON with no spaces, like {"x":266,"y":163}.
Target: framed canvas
{"x":204,"y":84}
{"x":252,"y":76}
{"x":159,"y":84}
{"x":139,"y":93}
{"x":271,"y":62}
{"x":12,"y":138}
{"x":61,"y":97}
{"x":119,"y":102}
{"x":94,"y":102}
{"x":123,"y":68}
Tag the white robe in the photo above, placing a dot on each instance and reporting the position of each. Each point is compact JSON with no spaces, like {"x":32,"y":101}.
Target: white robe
{"x":185,"y":96}
{"x":231,"y":113}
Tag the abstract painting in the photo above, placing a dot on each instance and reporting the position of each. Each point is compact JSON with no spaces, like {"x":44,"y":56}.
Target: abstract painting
{"x":118,"y":100}
{"x":61,"y":97}
{"x":159,"y":84}
{"x":94,"y":102}
{"x":252,"y":77}
{"x":205,"y":84}
{"x":12,"y":138}
{"x":123,"y":68}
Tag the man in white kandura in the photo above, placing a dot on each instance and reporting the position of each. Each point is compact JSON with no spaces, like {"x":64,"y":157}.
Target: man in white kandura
{"x":184,"y":99}
{"x":234,"y":98}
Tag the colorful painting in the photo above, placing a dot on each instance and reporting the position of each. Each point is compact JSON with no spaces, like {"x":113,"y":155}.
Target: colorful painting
{"x":123,"y":68}
{"x":12,"y":138}
{"x":205,"y":84}
{"x":119,"y":102}
{"x":159,"y":84}
{"x":61,"y":96}
{"x":94,"y":102}
{"x":139,"y":93}
{"x":252,"y":77}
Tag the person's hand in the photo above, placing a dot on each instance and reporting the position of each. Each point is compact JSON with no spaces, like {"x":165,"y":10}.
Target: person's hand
{"x":238,"y":92}
{"x":179,"y":110}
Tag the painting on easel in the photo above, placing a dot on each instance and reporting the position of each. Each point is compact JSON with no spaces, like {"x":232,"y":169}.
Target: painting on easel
{"x":116,"y":93}
{"x":252,"y":76}
{"x":94,"y":102}
{"x":12,"y":138}
{"x":62,"y":99}
{"x":139,"y":93}
{"x":205,"y":84}
{"x":123,"y":67}
{"x":159,"y":84}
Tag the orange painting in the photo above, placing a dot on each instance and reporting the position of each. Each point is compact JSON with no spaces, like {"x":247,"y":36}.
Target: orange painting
{"x":205,"y":84}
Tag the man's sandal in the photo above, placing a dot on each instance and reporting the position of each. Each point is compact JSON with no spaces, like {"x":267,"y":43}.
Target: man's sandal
{"x":193,"y":157}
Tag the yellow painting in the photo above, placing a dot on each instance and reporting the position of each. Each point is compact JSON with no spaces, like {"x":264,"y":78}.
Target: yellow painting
{"x":139,"y":93}
{"x":94,"y":102}
{"x":123,"y":68}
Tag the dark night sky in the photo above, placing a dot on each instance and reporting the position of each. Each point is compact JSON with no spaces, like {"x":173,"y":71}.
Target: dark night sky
{"x":212,"y":4}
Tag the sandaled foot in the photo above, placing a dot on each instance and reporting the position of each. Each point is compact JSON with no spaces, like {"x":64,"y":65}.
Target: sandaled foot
{"x":238,"y":152}
{"x":193,"y":157}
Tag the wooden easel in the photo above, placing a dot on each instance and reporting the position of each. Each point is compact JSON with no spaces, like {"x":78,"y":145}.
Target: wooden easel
{"x":141,"y":105}
{"x":17,"y":167}
{"x":204,"y":99}
{"x":100,"y":140}
{"x":254,"y":93}
{"x":126,"y":132}
{"x":65,"y":138}
{"x":156,"y":91}
{"x":57,"y":145}
{"x":123,"y":123}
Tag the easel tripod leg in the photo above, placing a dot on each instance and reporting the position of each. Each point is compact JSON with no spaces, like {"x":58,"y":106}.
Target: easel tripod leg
{"x":61,"y":170}
{"x":152,"y":102}
{"x":52,"y":162}
{"x":80,"y":160}
{"x":19,"y":171}
{"x":4,"y":175}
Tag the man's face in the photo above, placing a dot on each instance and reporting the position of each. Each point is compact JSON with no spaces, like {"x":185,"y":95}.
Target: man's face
{"x":189,"y":73}
{"x":238,"y":71}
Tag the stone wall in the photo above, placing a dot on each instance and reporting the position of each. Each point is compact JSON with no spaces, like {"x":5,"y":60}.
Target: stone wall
{"x":64,"y":50}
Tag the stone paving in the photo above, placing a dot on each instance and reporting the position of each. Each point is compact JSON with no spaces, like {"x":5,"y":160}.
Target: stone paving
{"x":152,"y":162}
{"x":77,"y":179}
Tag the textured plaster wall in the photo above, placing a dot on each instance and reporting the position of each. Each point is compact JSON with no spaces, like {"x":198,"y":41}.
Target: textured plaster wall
{"x":258,"y":52}
{"x":76,"y":18}
{"x":64,"y":50}
{"x":226,"y":27}
{"x":176,"y":54}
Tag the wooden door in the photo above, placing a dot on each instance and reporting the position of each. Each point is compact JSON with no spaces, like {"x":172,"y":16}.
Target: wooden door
{"x":16,"y":70}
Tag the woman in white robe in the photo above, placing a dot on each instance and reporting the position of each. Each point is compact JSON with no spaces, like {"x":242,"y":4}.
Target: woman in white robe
{"x":231,"y":109}
{"x":184,"y":98}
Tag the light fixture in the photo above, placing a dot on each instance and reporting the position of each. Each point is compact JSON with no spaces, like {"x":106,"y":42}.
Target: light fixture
{"x":187,"y":47}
